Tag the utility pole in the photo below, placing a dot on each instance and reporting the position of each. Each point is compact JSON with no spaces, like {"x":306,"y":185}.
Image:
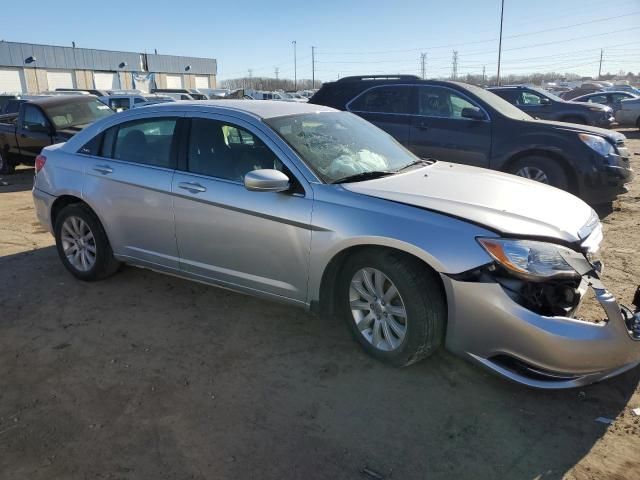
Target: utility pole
{"x":483,"y":73}
{"x":423,"y":61}
{"x":313,"y":68}
{"x":600,"y":67}
{"x":295,"y":67}
{"x":250,"y":76}
{"x":500,"y":43}
{"x":454,"y":69}
{"x":277,"y":70}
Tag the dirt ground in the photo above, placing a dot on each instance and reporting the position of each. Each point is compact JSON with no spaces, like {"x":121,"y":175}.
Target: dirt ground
{"x":145,"y":376}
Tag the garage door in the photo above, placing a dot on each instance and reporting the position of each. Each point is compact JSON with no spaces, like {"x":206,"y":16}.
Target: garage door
{"x":202,"y":81}
{"x":10,"y":81}
{"x":106,"y":80}
{"x":59,"y":79}
{"x":174,"y":81}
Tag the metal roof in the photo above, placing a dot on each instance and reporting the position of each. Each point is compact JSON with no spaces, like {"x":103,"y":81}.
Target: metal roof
{"x":29,"y":55}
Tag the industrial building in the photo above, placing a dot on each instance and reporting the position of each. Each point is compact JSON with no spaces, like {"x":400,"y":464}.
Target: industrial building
{"x":31,"y":68}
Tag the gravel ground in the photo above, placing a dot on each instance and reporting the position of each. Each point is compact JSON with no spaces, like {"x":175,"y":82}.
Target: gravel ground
{"x":145,"y":376}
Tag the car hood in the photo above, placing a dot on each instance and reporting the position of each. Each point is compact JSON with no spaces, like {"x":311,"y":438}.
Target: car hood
{"x":504,"y":203}
{"x":588,"y":106}
{"x":574,"y":127}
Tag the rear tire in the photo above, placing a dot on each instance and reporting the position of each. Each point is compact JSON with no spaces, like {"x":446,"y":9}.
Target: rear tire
{"x":400,"y":320}
{"x":83,"y":245}
{"x":541,"y":169}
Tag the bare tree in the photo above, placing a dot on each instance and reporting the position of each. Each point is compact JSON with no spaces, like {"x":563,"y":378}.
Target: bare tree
{"x":267,"y":83}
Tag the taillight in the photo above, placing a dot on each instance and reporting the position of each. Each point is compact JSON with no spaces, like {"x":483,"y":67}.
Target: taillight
{"x":40,"y":161}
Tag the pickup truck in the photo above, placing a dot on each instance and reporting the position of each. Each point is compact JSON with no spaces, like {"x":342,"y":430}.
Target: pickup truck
{"x":42,"y":122}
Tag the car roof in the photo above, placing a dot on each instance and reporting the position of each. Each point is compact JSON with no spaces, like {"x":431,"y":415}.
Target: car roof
{"x":56,"y":100}
{"x":256,"y":108}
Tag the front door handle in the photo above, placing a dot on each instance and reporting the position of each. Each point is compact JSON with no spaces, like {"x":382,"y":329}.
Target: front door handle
{"x":422,"y":125}
{"x":192,"y":187}
{"x":103,"y":169}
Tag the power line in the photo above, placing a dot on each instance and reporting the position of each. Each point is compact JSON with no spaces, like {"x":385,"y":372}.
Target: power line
{"x":449,"y":45}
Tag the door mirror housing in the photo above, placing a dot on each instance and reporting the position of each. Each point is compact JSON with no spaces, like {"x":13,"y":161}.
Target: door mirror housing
{"x":545,"y":101}
{"x":266,"y":180}
{"x":472,"y":113}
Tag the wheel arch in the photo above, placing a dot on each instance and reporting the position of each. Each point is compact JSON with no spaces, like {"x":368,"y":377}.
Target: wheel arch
{"x":562,"y":161}
{"x":67,"y":199}
{"x":325,"y":303}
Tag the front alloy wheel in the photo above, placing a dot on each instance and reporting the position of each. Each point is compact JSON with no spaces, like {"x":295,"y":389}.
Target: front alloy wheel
{"x":393,"y":304}
{"x":377,"y":309}
{"x":533,"y":173}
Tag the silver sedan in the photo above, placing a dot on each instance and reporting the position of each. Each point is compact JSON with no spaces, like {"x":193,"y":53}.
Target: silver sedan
{"x":304,"y":204}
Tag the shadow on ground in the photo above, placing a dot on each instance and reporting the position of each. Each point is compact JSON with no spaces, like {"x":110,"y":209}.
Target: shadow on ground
{"x":17,"y":182}
{"x":150,"y":376}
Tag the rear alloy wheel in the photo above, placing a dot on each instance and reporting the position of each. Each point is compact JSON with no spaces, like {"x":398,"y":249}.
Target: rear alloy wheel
{"x":83,"y":245}
{"x":541,"y":169}
{"x":394,"y":306}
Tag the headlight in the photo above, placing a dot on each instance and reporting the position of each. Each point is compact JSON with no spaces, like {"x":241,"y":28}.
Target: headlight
{"x":597,"y":144}
{"x":528,"y":259}
{"x":601,"y":110}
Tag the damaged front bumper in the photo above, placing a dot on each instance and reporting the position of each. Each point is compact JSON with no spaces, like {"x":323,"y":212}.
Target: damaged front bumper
{"x":487,"y":325}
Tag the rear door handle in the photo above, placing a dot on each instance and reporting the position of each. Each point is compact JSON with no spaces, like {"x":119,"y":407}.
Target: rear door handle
{"x":103,"y":169}
{"x":192,"y":187}
{"x":422,"y":125}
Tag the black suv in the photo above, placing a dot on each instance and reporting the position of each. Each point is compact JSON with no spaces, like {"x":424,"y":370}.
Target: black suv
{"x":547,"y":106}
{"x":463,"y":123}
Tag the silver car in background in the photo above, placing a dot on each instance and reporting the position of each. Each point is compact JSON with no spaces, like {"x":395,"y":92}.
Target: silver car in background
{"x":318,"y":208}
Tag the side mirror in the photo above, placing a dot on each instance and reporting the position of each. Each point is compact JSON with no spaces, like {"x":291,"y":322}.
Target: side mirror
{"x":545,"y":101}
{"x":266,"y":180}
{"x":472,"y":113}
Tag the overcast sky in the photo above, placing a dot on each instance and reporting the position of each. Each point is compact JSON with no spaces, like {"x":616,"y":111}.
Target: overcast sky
{"x":352,"y":37}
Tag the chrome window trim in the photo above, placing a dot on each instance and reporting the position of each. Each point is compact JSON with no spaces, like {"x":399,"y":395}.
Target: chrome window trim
{"x":466,"y":97}
{"x":126,"y":162}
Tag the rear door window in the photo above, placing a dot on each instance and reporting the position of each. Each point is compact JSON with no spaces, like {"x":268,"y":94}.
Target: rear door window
{"x":386,"y":99}
{"x":152,"y":141}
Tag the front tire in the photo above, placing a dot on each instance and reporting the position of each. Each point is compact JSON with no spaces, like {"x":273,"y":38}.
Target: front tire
{"x":83,"y":245}
{"x":541,"y":169}
{"x":394,"y":306}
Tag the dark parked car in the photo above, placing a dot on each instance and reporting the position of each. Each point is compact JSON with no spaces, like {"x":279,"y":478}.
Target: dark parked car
{"x":542,"y":104}
{"x":462,"y":123}
{"x":611,"y":99}
{"x":91,"y":91}
{"x":194,"y":93}
{"x":578,"y":92}
{"x":42,"y":122}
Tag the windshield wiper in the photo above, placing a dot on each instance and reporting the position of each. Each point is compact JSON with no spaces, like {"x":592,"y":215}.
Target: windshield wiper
{"x":364,"y":176}
{"x":421,"y":162}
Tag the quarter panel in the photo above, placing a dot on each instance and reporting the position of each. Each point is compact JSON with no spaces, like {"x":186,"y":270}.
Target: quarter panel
{"x":343,"y":219}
